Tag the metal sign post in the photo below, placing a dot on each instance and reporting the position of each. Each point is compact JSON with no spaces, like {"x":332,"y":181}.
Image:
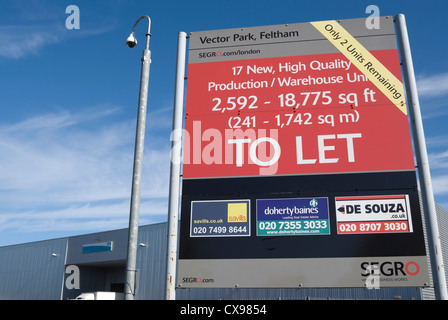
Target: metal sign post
{"x":138,"y":162}
{"x":176,"y":144}
{"x":429,"y":209}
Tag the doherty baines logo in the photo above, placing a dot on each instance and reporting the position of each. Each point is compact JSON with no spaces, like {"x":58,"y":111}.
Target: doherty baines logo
{"x":314,"y":203}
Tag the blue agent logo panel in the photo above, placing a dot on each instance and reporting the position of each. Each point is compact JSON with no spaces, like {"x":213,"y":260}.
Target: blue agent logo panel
{"x":290,"y":217}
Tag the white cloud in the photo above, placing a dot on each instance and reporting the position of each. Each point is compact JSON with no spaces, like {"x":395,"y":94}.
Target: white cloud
{"x":438,"y":160}
{"x":106,"y":216}
{"x":437,"y":141}
{"x":18,"y":41}
{"x":68,"y":171}
{"x":440,"y":184}
{"x":433,"y":86}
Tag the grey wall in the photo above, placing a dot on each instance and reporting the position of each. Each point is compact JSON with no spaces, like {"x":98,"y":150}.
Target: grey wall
{"x":31,"y":272}
{"x":151,"y":262}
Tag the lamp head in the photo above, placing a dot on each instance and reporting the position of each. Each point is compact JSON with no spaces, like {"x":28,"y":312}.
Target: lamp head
{"x":131,"y":42}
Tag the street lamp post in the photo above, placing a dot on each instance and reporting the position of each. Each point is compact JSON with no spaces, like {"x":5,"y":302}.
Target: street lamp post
{"x":130,"y":280}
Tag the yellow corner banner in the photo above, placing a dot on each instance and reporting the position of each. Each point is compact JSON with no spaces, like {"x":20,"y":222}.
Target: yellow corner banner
{"x":373,"y":69}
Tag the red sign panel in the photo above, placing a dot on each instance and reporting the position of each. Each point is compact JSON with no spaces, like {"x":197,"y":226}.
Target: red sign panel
{"x":292,"y":115}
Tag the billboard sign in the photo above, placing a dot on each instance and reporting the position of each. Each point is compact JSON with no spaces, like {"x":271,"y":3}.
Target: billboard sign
{"x":298,"y":167}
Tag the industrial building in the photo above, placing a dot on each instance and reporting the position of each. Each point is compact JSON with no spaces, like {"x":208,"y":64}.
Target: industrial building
{"x":43,"y":270}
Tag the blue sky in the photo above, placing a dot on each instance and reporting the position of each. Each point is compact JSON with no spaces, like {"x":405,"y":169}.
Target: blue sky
{"x":68,"y":101}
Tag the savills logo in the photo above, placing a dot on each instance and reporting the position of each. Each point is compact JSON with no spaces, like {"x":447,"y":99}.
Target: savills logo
{"x":237,"y":212}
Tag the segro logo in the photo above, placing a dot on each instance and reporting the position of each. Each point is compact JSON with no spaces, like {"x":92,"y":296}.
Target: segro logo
{"x":388,"y":268}
{"x":196,"y":280}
